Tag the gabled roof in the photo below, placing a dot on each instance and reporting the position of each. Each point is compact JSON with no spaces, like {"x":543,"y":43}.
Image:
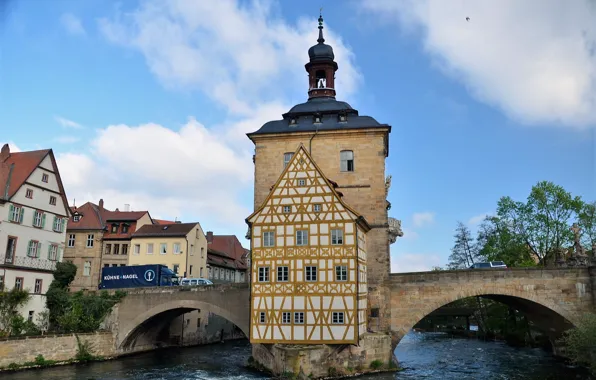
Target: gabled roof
{"x":16,"y":167}
{"x":90,"y":218}
{"x":222,"y":259}
{"x":121,"y":216}
{"x":163,"y":222}
{"x":171,"y":230}
{"x":301,"y":149}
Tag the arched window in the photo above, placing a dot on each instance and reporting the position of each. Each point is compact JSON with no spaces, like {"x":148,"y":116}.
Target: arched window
{"x":346,"y":161}
{"x":287,"y":157}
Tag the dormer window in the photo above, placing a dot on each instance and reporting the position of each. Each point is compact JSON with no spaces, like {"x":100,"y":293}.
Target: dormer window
{"x":343,"y":117}
{"x":125,"y":228}
{"x":317,"y":118}
{"x":76,"y":217}
{"x":114,"y":228}
{"x":293,"y":121}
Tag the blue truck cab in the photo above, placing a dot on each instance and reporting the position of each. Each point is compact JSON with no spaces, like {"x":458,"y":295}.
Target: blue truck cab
{"x":137,"y":276}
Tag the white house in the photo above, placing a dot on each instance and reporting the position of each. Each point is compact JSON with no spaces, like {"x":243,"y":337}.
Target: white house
{"x":33,"y":216}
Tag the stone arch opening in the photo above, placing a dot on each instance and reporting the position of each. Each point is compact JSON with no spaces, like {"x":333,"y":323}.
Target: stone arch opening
{"x":551,"y":319}
{"x":151,"y":329}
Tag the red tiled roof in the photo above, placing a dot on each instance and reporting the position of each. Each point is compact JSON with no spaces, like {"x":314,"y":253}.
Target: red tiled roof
{"x":90,"y":218}
{"x":176,"y":229}
{"x":230,"y":246}
{"x":163,"y":222}
{"x":24,"y":164}
{"x":122,"y":215}
{"x":221,"y":259}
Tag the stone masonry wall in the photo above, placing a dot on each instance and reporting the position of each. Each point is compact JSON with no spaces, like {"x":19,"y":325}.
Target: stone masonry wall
{"x":79,"y":254}
{"x":363,"y":190}
{"x":52,"y":347}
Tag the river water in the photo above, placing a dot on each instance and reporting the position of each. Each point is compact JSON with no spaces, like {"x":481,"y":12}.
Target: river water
{"x":423,"y":355}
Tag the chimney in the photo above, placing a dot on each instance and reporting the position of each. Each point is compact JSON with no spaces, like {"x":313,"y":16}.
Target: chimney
{"x":209,"y":236}
{"x":4,"y":153}
{"x":126,"y":207}
{"x":101,"y":204}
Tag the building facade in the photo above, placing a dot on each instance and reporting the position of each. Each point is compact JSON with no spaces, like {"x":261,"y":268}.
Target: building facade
{"x":84,"y":238}
{"x":120,"y":226}
{"x":33,"y":217}
{"x":182,"y":247}
{"x":226,"y":259}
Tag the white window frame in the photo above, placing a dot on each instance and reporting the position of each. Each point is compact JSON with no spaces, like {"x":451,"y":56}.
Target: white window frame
{"x":299,"y":317}
{"x":345,"y":156}
{"x":301,"y":182}
{"x":341,"y":273}
{"x":316,"y":207}
{"x":33,"y":248}
{"x":87,"y":269}
{"x":301,"y":237}
{"x":137,"y":249}
{"x":163,"y":248}
{"x":310,"y":273}
{"x":262,"y":317}
{"x":269,"y":239}
{"x":176,"y":248}
{"x":263,"y":274}
{"x":287,"y":209}
{"x":149,"y":248}
{"x":337,"y":237}
{"x":53,"y":252}
{"x":283,"y":273}
{"x":16,"y":214}
{"x":286,"y":317}
{"x":37,"y":218}
{"x":338,"y":318}
{"x":287,"y":158}
{"x":90,"y":240}
{"x":71,"y":240}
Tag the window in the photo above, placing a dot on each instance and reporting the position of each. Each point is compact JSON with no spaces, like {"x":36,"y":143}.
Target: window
{"x":38,"y":283}
{"x":311,"y":273}
{"x":176,"y":248}
{"x":262,"y":318}
{"x":76,"y":218}
{"x":106,"y":265}
{"x":58,"y":224}
{"x":125,"y":228}
{"x":301,"y":237}
{"x":33,"y":248}
{"x":190,"y":270}
{"x":11,"y":247}
{"x":287,"y":157}
{"x":38,"y":219}
{"x":125,"y":249}
{"x":283,"y":274}
{"x":200,"y":271}
{"x":114,"y":228}
{"x":337,"y":317}
{"x":90,"y":240}
{"x":44,"y":178}
{"x":29,"y":194}
{"x":71,"y":240}
{"x":122,"y":265}
{"x":163,"y":248}
{"x":16,"y":214}
{"x":287,"y":209}
{"x":301,"y":182}
{"x":268,"y":239}
{"x":136,"y":249}
{"x":176,"y":268}
{"x":346,"y":161}
{"x":116,"y":249}
{"x":337,"y":237}
{"x":52,"y":200}
{"x":299,"y":317}
{"x":114,"y":265}
{"x":18,"y":283}
{"x":264,"y":274}
{"x":285,"y":317}
{"x":149,"y":248}
{"x":316,"y":207}
{"x":202,"y":252}
{"x":30,"y":316}
{"x":341,"y":273}
{"x":53,"y":252}
{"x":87,"y":269}
{"x":2,"y":282}
{"x":108,"y":249}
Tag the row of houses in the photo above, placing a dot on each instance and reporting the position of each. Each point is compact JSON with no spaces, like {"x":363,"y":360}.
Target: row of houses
{"x":38,"y":229}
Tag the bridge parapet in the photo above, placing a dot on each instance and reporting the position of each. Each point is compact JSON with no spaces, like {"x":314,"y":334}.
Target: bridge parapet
{"x":175,"y":289}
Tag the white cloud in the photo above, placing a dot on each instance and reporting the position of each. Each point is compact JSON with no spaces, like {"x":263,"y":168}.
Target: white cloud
{"x":65,"y":123}
{"x":533,"y":59}
{"x":476,"y":220}
{"x":409,"y":234}
{"x":66,"y":139}
{"x":421,"y":219}
{"x":240,"y":56}
{"x":414,"y":262}
{"x":72,"y":24}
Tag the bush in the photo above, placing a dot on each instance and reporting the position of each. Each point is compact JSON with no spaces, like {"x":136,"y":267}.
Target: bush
{"x":376,"y":364}
{"x":580,"y":343}
{"x":10,"y":302}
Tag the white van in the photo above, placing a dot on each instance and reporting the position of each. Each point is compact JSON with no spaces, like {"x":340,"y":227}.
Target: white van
{"x":195,"y":281}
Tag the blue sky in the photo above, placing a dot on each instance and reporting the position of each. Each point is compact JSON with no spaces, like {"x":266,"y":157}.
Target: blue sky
{"x":148,"y":103}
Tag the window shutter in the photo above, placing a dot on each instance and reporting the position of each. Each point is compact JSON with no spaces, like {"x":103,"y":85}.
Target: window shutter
{"x":64,"y":220}
{"x":43,"y":220}
{"x":29,"y":247}
{"x":21,"y":215}
{"x":49,"y":251}
{"x":11,"y":211}
{"x":34,"y":215}
{"x":54,"y":223}
{"x":59,"y":253}
{"x":37,"y":252}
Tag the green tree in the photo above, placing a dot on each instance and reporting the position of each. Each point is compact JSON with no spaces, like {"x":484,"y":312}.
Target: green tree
{"x":465,"y":251}
{"x":58,"y":296}
{"x":587,"y":222}
{"x":497,"y":242}
{"x":580,"y":342}
{"x":543,"y":222}
{"x":10,"y":302}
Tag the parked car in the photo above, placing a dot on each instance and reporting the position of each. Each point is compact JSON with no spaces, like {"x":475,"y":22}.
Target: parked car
{"x":195,"y":281}
{"x":489,"y":264}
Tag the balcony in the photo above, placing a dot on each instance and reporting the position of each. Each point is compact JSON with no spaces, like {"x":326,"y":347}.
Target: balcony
{"x":29,"y":262}
{"x":394,"y":230}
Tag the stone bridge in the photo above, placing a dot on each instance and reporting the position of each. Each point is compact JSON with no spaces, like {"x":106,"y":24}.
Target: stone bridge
{"x":554,"y":299}
{"x":144,"y":313}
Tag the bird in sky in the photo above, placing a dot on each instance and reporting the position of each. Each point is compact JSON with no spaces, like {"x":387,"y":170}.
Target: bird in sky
{"x":467,"y":19}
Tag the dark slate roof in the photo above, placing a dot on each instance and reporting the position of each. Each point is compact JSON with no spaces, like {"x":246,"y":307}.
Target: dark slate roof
{"x":322,"y":105}
{"x":173,"y":230}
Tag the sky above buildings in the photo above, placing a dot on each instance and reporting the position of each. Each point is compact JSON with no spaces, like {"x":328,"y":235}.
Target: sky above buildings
{"x":147,"y":103}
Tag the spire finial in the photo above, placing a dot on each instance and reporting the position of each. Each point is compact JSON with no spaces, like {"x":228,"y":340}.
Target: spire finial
{"x":321,"y":39}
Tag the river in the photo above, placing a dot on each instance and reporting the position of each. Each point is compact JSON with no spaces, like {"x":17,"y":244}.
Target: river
{"x":423,"y":355}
